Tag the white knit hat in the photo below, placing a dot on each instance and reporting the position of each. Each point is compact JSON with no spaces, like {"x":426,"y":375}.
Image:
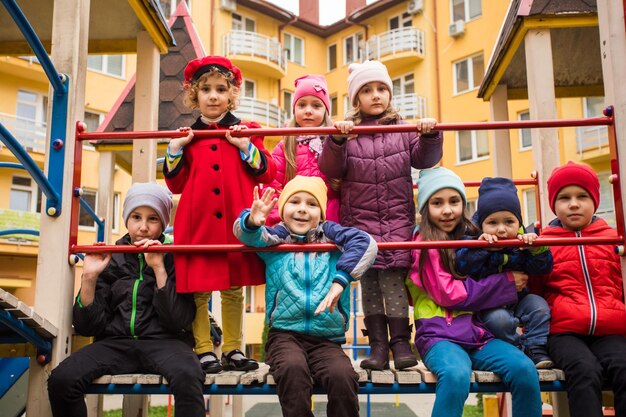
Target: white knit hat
{"x":361,"y":74}
{"x":151,"y":195}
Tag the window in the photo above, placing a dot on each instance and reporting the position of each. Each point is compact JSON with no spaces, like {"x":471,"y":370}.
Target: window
{"x":250,"y":299}
{"x":295,"y":48}
{"x":346,"y":105}
{"x":24,"y":195}
{"x":84,"y":218}
{"x":472,"y":145}
{"x":606,"y":209}
{"x":593,"y":106}
{"x":93,"y":120}
{"x":403,"y":85}
{"x":530,"y":207}
{"x":243,"y":23}
{"x":404,"y":21}
{"x":352,"y":48}
{"x":333,"y":106}
{"x":470,"y":207}
{"x":116,"y":213}
{"x":468,"y":73}
{"x":107,"y":64}
{"x":248,"y":89}
{"x":287,"y":102}
{"x":31,"y":107}
{"x":525,"y":140}
{"x":332,"y":57}
{"x":465,"y":9}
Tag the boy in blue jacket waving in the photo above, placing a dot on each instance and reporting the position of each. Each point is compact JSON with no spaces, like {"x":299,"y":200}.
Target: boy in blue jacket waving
{"x":308,"y":309}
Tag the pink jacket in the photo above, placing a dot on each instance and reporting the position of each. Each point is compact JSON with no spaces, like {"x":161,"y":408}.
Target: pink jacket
{"x":306,"y":165}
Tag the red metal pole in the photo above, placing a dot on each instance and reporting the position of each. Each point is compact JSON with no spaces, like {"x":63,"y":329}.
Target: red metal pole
{"x":615,"y":180}
{"x":75,"y":206}
{"x":283,"y":131}
{"x":328,"y":247}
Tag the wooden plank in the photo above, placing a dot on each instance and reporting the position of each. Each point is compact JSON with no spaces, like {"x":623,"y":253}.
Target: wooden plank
{"x":34,"y":320}
{"x":21,"y":311}
{"x":209,"y":379}
{"x":270,"y":380}
{"x":409,"y":376}
{"x":546,"y":375}
{"x":560,"y":375}
{"x":103,"y":380}
{"x":228,"y":377}
{"x":383,"y":377}
{"x":486,"y":376}
{"x":425,"y":374}
{"x":256,"y":376}
{"x":47,"y":330}
{"x":150,"y":379}
{"x":124,"y":379}
{"x":362,"y":373}
{"x":7,"y":300}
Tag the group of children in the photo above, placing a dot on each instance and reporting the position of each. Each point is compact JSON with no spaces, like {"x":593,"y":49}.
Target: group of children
{"x":353,"y":191}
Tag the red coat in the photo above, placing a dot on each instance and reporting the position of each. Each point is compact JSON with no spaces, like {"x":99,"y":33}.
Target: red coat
{"x":584,"y":289}
{"x":215,"y":185}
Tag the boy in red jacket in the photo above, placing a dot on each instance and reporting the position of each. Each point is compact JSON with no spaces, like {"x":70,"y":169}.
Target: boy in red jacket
{"x":585,"y":294}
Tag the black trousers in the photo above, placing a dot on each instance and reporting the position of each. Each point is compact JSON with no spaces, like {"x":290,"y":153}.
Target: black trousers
{"x":587,"y":362}
{"x":297,"y":362}
{"x":171,"y":358}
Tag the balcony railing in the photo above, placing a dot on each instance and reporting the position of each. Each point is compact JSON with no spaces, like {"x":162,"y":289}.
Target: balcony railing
{"x":410,"y":106}
{"x":239,"y":42}
{"x":591,"y":137}
{"x":394,"y":41}
{"x":261,"y":111}
{"x":30,"y":134}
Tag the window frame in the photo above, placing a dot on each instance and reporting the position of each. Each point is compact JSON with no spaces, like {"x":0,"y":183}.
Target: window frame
{"x":117,"y":198}
{"x":31,"y":189}
{"x":244,"y":89}
{"x":40,"y":104}
{"x":105,"y":66}
{"x":466,"y":11}
{"x":404,"y":83}
{"x":470,"y":73}
{"x":474,"y":142}
{"x":243,"y":22}
{"x":356,"y":38}
{"x":520,"y":132}
{"x":404,"y":20}
{"x":288,"y":109}
{"x":328,"y":56}
{"x":292,"y":48}
{"x":525,"y":200}
{"x":92,"y":227}
{"x":334,"y":106}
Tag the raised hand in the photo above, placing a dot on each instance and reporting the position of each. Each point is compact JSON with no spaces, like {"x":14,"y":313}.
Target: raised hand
{"x":153,"y":259}
{"x":240,"y":142}
{"x":261,"y":207}
{"x":331,"y":299}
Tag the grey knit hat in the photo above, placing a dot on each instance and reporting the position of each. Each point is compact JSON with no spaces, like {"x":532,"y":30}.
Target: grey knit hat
{"x":151,"y":195}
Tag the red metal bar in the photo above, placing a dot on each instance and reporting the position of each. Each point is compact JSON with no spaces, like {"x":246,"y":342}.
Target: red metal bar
{"x":528,"y":181}
{"x":615,"y":179}
{"x":75,"y":205}
{"x":328,"y":247}
{"x":538,"y":223}
{"x":285,"y":131}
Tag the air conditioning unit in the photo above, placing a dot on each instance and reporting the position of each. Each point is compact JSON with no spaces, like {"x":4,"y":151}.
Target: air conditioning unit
{"x":456,"y":29}
{"x":415,"y":6}
{"x":228,"y":5}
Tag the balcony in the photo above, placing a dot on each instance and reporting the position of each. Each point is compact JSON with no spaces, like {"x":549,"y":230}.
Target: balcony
{"x":592,"y":142}
{"x":410,"y":106}
{"x":254,"y":52}
{"x":29,"y":133}
{"x":266,"y":114}
{"x":397,"y":48}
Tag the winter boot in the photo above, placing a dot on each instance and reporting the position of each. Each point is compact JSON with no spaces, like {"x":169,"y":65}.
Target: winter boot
{"x":399,"y":336}
{"x":376,"y":332}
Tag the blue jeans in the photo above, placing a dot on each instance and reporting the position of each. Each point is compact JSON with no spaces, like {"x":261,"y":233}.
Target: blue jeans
{"x":531,"y":312}
{"x":453,"y":366}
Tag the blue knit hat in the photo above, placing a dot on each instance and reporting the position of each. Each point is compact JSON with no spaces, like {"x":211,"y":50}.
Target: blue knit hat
{"x":497,"y":194}
{"x":432,"y":180}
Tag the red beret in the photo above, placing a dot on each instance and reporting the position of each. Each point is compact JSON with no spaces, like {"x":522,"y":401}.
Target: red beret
{"x":195,"y":68}
{"x":574,"y":174}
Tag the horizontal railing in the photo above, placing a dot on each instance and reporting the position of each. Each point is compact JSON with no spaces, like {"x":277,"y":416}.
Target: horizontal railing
{"x":265,"y":113}
{"x":394,"y":41}
{"x":411,"y":106}
{"x":591,"y":137}
{"x":30,"y":133}
{"x":240,"y":42}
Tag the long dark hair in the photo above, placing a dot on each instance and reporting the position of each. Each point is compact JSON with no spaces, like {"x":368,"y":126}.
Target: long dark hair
{"x":429,"y":231}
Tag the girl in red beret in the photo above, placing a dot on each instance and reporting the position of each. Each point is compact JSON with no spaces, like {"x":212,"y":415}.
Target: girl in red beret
{"x":216,"y":177}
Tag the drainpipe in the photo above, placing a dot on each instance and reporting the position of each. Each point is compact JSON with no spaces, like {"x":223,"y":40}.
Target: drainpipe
{"x":348,"y":20}
{"x":437,"y":76}
{"x":212,"y":33}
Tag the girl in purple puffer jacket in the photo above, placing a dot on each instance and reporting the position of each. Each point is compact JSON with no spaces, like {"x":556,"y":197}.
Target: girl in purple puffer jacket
{"x":377,"y":197}
{"x":297,"y":155}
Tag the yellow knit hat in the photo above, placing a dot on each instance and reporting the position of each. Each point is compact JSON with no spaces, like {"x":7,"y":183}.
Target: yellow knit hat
{"x":312,"y":185}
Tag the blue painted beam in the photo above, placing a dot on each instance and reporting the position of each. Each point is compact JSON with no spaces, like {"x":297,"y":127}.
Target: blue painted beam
{"x":43,"y":346}
{"x":11,"y":369}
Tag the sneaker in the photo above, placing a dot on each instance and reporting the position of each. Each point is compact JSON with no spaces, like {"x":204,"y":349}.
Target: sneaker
{"x":236,"y":361}
{"x":539,"y":355}
{"x":210,"y":364}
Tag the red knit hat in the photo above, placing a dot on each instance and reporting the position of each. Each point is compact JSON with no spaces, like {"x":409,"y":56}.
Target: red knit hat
{"x":311,"y":85}
{"x":574,"y":174}
{"x":195,"y":68}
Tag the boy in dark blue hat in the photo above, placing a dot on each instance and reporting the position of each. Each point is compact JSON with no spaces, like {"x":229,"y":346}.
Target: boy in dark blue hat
{"x":498,"y":216}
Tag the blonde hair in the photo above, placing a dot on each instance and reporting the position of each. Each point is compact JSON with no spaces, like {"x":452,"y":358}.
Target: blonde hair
{"x":191,"y":98}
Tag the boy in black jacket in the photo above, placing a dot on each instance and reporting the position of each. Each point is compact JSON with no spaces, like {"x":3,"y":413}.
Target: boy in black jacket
{"x":128,"y":302}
